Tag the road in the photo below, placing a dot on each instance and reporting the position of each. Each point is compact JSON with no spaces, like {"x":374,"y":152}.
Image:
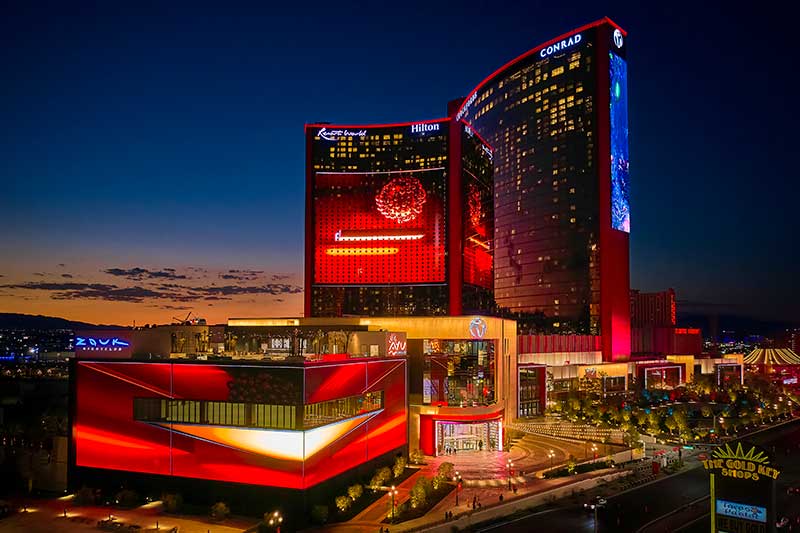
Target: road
{"x":628,"y":511}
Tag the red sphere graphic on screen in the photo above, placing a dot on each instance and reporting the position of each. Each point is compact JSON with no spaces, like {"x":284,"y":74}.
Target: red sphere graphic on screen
{"x":401,"y":199}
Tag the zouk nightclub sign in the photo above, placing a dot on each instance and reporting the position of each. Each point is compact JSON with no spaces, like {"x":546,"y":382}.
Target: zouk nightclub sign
{"x":110,"y":344}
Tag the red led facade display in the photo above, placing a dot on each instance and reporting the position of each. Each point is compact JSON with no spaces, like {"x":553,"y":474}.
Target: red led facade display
{"x":478,"y":227}
{"x":249,"y":424}
{"x":379,"y":227}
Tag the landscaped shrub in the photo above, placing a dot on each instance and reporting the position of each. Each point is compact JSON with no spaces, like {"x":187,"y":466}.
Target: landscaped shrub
{"x":343,"y":503}
{"x":420,"y":491}
{"x":416,"y":457}
{"x":382,"y":475}
{"x":172,"y":502}
{"x":355,"y":491}
{"x":127,"y":498}
{"x":399,"y":465}
{"x":85,"y":496}
{"x":220,"y":511}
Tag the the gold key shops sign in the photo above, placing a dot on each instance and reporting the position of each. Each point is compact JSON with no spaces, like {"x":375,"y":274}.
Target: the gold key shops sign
{"x":737,"y":463}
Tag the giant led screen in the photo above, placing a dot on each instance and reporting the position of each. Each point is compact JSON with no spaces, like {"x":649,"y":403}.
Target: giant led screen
{"x":238,"y":423}
{"x":380,"y":227}
{"x":620,"y":178}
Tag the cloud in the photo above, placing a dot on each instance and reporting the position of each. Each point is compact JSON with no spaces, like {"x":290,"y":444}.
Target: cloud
{"x":139,"y":273}
{"x":242,"y":275}
{"x":235,"y":290}
{"x":40,"y":274}
{"x":62,"y":265}
{"x":67,"y":276}
{"x":137,"y":294}
{"x":282,"y":277}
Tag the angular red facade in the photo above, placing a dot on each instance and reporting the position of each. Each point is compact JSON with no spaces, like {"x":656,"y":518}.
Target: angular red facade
{"x":276,"y":425}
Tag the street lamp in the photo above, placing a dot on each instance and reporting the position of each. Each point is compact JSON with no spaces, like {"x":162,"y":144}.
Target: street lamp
{"x":551,"y":454}
{"x":275,"y":520}
{"x":457,"y":481}
{"x":393,"y":493}
{"x":594,"y":451}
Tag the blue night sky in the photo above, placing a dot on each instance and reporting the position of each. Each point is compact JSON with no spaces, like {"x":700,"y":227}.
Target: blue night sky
{"x":153,"y":152}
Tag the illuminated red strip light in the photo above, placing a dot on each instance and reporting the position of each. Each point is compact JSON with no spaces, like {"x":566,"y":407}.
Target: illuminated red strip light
{"x":364,"y":126}
{"x":355,"y":235}
{"x":384,"y":250}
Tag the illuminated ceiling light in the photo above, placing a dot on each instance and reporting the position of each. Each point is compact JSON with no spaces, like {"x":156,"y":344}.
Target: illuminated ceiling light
{"x":387,"y":250}
{"x":354,"y":235}
{"x":401,"y":199}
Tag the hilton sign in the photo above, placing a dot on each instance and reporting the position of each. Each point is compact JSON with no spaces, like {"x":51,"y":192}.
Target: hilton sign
{"x":424,"y":128}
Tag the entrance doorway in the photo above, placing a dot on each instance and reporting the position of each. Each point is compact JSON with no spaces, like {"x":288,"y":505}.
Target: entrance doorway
{"x":457,"y":437}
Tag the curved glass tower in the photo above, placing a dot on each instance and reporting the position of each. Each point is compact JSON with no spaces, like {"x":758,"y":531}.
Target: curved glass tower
{"x":557,"y":119}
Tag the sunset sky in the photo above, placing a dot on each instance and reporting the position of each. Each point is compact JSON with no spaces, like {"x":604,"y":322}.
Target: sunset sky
{"x":153,"y":156}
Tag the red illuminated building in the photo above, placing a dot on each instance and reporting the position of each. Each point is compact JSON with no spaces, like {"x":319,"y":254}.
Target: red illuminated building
{"x":290,"y":425}
{"x":400,"y":220}
{"x":556,"y":117}
{"x":653,"y":331}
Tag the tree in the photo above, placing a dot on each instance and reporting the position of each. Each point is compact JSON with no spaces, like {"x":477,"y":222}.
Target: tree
{"x":382,"y":475}
{"x":654,"y":421}
{"x":671,"y":423}
{"x":416,"y":457}
{"x":420,"y":491}
{"x":355,"y":491}
{"x":220,"y":511}
{"x":399,"y":465}
{"x":172,"y":502}
{"x":343,"y":503}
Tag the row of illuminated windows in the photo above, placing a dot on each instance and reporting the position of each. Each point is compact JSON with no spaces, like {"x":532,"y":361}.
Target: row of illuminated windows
{"x":321,"y":413}
{"x":217,"y":413}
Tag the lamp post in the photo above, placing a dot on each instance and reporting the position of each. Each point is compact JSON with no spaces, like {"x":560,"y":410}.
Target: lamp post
{"x":551,"y":454}
{"x":275,"y":520}
{"x":596,"y":507}
{"x":594,"y":451}
{"x":509,"y":468}
{"x":393,"y":493}
{"x":457,"y":481}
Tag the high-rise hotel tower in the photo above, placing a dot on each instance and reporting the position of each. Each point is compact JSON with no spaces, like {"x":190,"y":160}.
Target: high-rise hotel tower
{"x":557,"y":120}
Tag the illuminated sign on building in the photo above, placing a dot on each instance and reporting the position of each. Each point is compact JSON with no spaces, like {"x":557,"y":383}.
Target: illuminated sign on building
{"x":560,"y":45}
{"x":424,"y":128}
{"x":741,"y":510}
{"x":114,"y":344}
{"x":477,"y":328}
{"x":736,"y":463}
{"x":333,"y":135}
{"x":465,"y":106}
{"x":395,"y":346}
{"x":618,"y":41}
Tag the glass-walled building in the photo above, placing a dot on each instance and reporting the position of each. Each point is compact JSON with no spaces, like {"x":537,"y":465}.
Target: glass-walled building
{"x":400,"y":220}
{"x":462,"y":370}
{"x":557,"y":120}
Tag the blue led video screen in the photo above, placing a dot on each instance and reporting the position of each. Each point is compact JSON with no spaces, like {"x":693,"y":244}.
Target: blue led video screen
{"x":620,"y":178}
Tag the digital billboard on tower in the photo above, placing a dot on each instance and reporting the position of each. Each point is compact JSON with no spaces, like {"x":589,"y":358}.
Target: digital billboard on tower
{"x":379,"y":227}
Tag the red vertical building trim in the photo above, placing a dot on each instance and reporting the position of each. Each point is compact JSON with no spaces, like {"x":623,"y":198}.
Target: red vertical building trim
{"x":309,"y":259}
{"x":614,"y":244}
{"x":455,"y":231}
